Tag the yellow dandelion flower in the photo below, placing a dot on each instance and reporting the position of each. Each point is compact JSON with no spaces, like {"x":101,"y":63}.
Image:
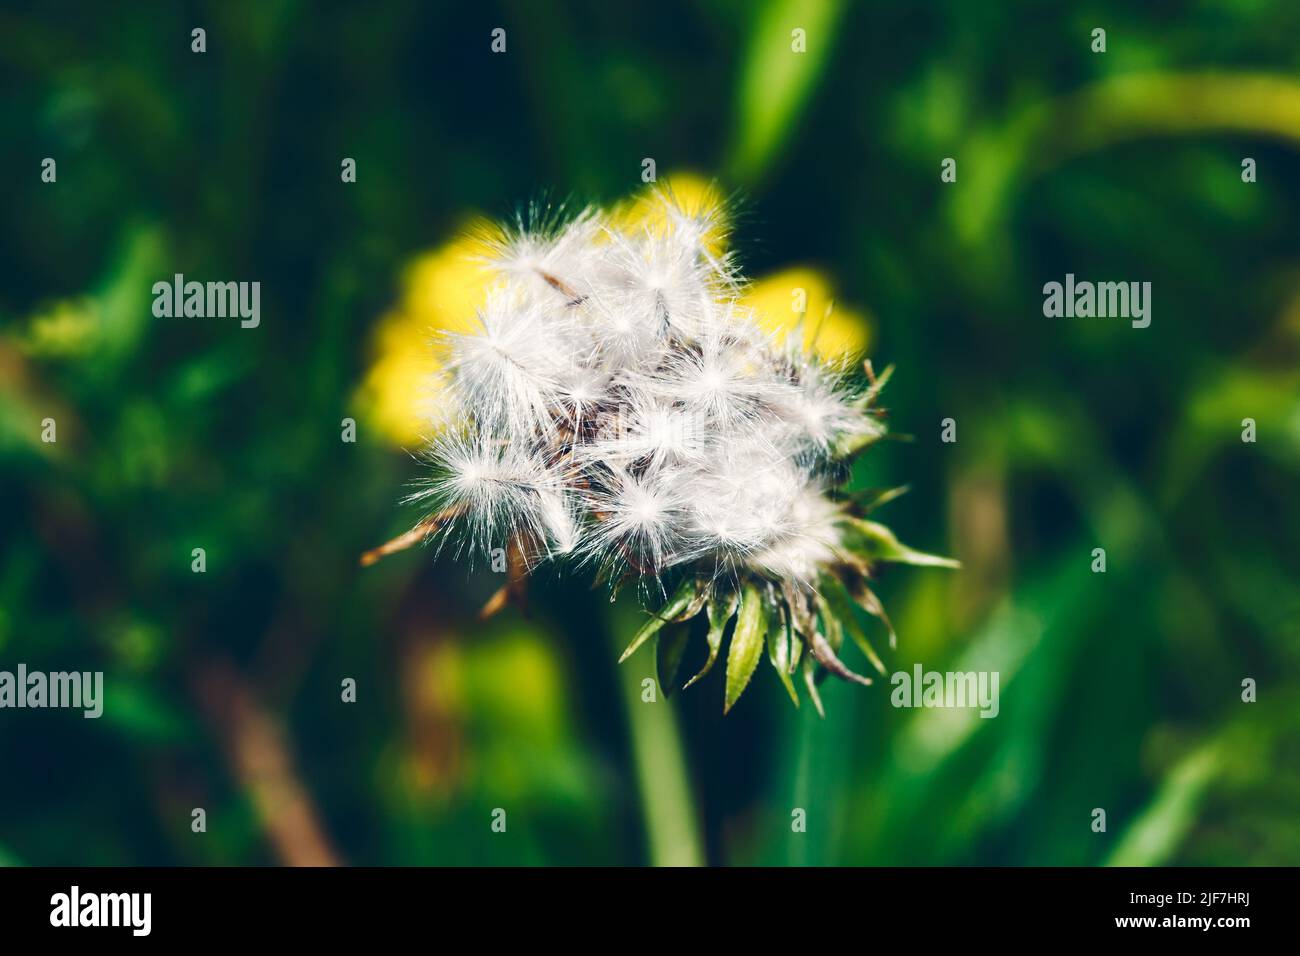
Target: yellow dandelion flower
{"x":440,"y":292}
{"x":779,"y":299}
{"x":684,"y":193}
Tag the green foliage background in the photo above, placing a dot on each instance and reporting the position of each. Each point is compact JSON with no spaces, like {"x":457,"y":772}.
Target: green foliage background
{"x":1120,"y":691}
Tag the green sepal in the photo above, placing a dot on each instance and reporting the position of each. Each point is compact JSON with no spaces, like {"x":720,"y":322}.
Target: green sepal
{"x":875,"y":542}
{"x":746,"y":644}
{"x":868,"y":500}
{"x":849,"y":445}
{"x":810,"y":681}
{"x":841,"y":606}
{"x":878,"y":383}
{"x":836,"y":615}
{"x":780,"y":640}
{"x":681,"y":600}
{"x":832,"y":625}
{"x":669,"y":650}
{"x":720,"y":612}
{"x":869,"y":602}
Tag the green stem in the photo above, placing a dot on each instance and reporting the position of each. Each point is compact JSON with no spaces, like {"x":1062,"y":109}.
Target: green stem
{"x":666,"y":801}
{"x":818,"y":754}
{"x":802,"y":792}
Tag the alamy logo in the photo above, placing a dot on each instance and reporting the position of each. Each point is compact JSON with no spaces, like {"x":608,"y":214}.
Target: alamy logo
{"x":72,"y":689}
{"x":75,"y":908}
{"x":1084,"y":300}
{"x":923,"y":688}
{"x":208,"y":299}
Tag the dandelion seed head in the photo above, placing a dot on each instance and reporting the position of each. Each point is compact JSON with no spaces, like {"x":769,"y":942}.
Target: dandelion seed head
{"x":614,"y":404}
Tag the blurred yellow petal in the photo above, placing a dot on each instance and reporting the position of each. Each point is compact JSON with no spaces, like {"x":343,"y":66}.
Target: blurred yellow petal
{"x":401,"y":382}
{"x":840,"y":335}
{"x":688,"y":193}
{"x":441,"y":290}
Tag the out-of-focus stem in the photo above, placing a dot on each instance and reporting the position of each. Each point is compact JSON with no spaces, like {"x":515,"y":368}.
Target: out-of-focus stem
{"x":259,"y":760}
{"x":667,"y":804}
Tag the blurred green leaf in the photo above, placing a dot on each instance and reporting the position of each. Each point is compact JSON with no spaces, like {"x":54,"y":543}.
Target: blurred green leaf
{"x":1154,"y":834}
{"x":775,"y":81}
{"x":142,"y":713}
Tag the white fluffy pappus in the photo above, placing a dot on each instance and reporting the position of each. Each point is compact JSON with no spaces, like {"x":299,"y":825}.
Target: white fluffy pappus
{"x":616,"y":405}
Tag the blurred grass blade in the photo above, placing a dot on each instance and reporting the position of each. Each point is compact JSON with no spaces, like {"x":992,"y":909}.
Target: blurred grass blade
{"x":775,"y":81}
{"x":1154,"y":835}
